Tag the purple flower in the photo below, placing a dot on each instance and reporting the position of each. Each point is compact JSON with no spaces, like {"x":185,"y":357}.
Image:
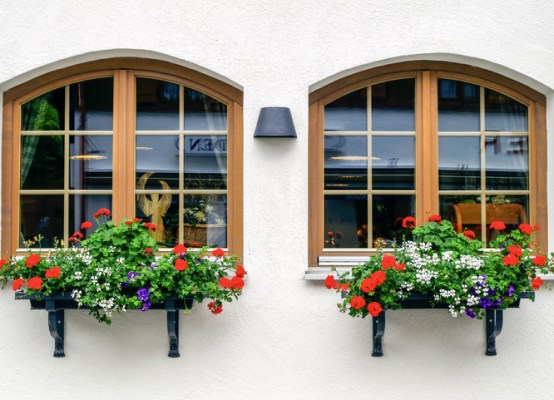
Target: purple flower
{"x":470,"y":313}
{"x":131,"y":275}
{"x":473,"y":291}
{"x":143,"y":295}
{"x":511,"y":290}
{"x":124,"y":285}
{"x":485,"y":303}
{"x":146,"y":306}
{"x":153,"y":265}
{"x":496,"y":303}
{"x":492,"y":292}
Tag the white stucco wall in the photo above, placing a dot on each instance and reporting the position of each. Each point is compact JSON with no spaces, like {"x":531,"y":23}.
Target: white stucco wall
{"x":284,"y":339}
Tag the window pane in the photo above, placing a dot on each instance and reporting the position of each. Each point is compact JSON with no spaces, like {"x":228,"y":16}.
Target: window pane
{"x":459,"y":163}
{"x":205,"y":162}
{"x":503,"y":113}
{"x":348,"y":113}
{"x":44,"y":113}
{"x":90,"y":162}
{"x":512,"y":210}
{"x":345,"y":162}
{"x":163,"y":211}
{"x":392,"y":106}
{"x":41,"y":215}
{"x":463,"y":211}
{"x":157,"y":161}
{"x":81,"y":208}
{"x":388,"y":213}
{"x":91,"y":105}
{"x":458,"y":106}
{"x":345,"y":222}
{"x":507,"y":161}
{"x":205,"y":218}
{"x":157,"y":105}
{"x":42,"y":162}
{"x":203,"y":113}
{"x":393,"y":162}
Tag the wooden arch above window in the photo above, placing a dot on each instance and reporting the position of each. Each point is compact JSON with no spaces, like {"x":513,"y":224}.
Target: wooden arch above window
{"x":124,"y":76}
{"x":407,"y":112}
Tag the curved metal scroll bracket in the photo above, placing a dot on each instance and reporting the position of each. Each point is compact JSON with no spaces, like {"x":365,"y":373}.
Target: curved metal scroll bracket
{"x":172,"y":328}
{"x":56,"y":325}
{"x":494,"y":327}
{"x":378,"y":332}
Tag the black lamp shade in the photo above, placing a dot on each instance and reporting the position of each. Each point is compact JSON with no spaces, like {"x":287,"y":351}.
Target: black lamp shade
{"x":275,"y":122}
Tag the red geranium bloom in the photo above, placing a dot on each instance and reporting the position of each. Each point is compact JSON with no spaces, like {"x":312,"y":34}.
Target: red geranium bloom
{"x":2,"y":262}
{"x":515,"y":250}
{"x":539,"y":260}
{"x":469,"y":234}
{"x":237,"y":282}
{"x":218,"y":253}
{"x":537,"y":283}
{"x":86,"y":225}
{"x":136,"y":219}
{"x":536,"y":227}
{"x":76,"y":236}
{"x":343,"y":286}
{"x":34,"y":283}
{"x":498,"y":225}
{"x":215,"y":308}
{"x":379,"y":276}
{"x":435,"y":218}
{"x":526,"y":228}
{"x":357,"y":302}
{"x":374,"y":309}
{"x":128,"y":222}
{"x":408,"y":222}
{"x":225,"y":283}
{"x":32,"y":260}
{"x":181,"y":265}
{"x":17,"y":284}
{"x":102,"y":211}
{"x":150,"y":226}
{"x":330,"y":282}
{"x":368,"y":285}
{"x":239,"y":271}
{"x":148,"y":250}
{"x":510,"y":260}
{"x":400,"y":267}
{"x":53,"y":272}
{"x":180,"y":249}
{"x":388,"y":262}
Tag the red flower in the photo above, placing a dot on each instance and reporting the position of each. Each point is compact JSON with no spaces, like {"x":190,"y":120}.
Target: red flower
{"x":32,"y":260}
{"x":53,"y":272}
{"x":434,"y":218}
{"x":515,"y":250}
{"x":148,"y":250}
{"x":86,"y":225}
{"x":239,"y":271}
{"x":180,"y":249}
{"x":330,"y":282}
{"x":181,"y":265}
{"x":343,"y":286}
{"x":17,"y":284}
{"x":510,"y":260}
{"x":150,"y":226}
{"x":526,"y":228}
{"x":218,"y":253}
{"x":368,"y":285}
{"x":137,"y":219}
{"x":225,"y":283}
{"x":536,"y":227}
{"x":498,"y":225}
{"x":357,"y":302}
{"x":34,"y":283}
{"x":374,"y":309}
{"x":408,"y":222}
{"x":388,"y":262}
{"x":379,"y":276}
{"x":195,"y":244}
{"x":237,"y":282}
{"x":215,"y":308}
{"x":469,"y":234}
{"x":77,"y":235}
{"x":539,"y":260}
{"x":537,"y":283}
{"x":102,"y":211}
{"x":2,"y":262}
{"x":330,"y":234}
{"x":400,"y":267}
{"x":129,"y":222}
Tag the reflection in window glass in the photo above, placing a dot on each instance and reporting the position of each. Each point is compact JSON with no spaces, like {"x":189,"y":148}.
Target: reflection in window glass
{"x":157,"y":105}
{"x":157,"y":161}
{"x":161,"y":209}
{"x":345,"y":162}
{"x":464,"y":211}
{"x":90,"y":162}
{"x":205,"y":220}
{"x":44,"y":113}
{"x":459,"y":163}
{"x":42,"y":161}
{"x":392,"y":106}
{"x":41,"y":215}
{"x":510,"y":209}
{"x":348,"y":113}
{"x":81,"y":208}
{"x":393,"y":162}
{"x":203,"y":113}
{"x":507,"y":161}
{"x":458,"y":106}
{"x":346,"y":221}
{"x":91,"y":105}
{"x":504,"y":114}
{"x":388,"y":213}
{"x":205,"y":162}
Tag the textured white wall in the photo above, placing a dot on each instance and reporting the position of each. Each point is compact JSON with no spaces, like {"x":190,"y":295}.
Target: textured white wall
{"x":284,"y":339}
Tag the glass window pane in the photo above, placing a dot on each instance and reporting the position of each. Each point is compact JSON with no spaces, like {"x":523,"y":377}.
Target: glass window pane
{"x":41,"y":215}
{"x":157,"y":159}
{"x":388,"y":213}
{"x":345,"y":223}
{"x":507,"y":161}
{"x":504,"y":114}
{"x":345,"y":162}
{"x":459,"y":109}
{"x":203,"y":113}
{"x":42,"y":162}
{"x":459,"y":163}
{"x":348,"y":113}
{"x":90,"y":162}
{"x":512,"y":210}
{"x":463,"y":211}
{"x":44,"y":113}
{"x":81,"y":208}
{"x":205,"y":162}
{"x":393,"y":162}
{"x":392,"y":106}
{"x":205,"y":218}
{"x":91,"y":105}
{"x":163,"y":211}
{"x":157,"y":105}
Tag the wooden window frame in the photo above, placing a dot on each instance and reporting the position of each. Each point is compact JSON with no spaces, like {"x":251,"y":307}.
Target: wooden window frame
{"x":124,"y":72}
{"x":426,"y":74}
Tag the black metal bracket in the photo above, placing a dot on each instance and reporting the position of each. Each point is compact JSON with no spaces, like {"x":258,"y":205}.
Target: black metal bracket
{"x":56,"y":325}
{"x":378,"y":332}
{"x":172,"y":328}
{"x":493,"y":328}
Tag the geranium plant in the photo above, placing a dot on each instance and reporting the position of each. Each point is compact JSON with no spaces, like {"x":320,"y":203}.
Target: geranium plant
{"x":116,"y":268}
{"x":453,"y":267}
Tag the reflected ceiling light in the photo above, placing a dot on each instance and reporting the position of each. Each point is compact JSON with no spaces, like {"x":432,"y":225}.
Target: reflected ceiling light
{"x":87,"y":157}
{"x":144,"y":148}
{"x":337,"y":184}
{"x":352,"y":158}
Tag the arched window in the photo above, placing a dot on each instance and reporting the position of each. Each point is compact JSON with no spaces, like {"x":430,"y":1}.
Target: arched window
{"x":422,"y":138}
{"x":140,"y":137}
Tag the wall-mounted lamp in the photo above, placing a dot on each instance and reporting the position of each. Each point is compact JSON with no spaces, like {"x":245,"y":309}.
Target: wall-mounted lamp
{"x":275,"y":122}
